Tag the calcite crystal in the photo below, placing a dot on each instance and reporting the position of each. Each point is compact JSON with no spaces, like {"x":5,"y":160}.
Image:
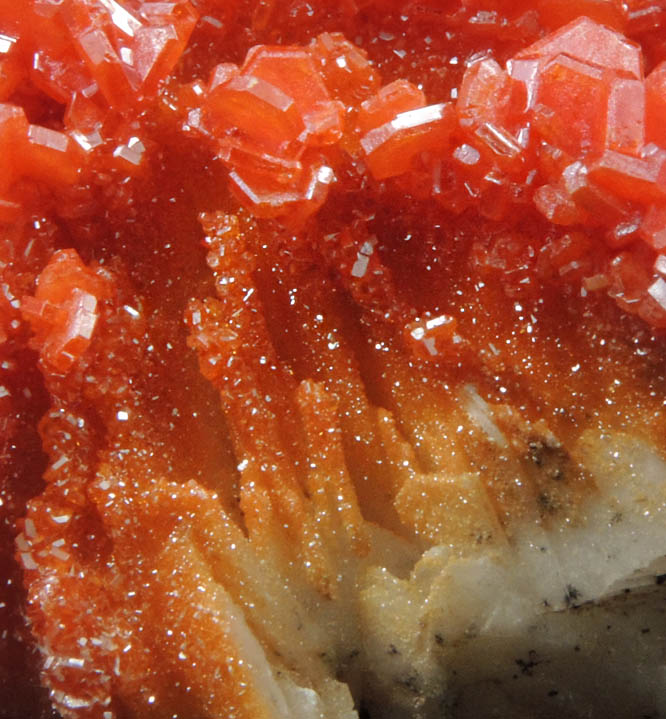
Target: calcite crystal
{"x":332,"y":359}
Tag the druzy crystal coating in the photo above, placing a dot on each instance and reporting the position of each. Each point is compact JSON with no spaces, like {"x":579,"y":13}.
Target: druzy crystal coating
{"x":289,"y":299}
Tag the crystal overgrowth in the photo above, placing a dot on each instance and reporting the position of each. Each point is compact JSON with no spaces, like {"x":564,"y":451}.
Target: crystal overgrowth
{"x":423,"y":278}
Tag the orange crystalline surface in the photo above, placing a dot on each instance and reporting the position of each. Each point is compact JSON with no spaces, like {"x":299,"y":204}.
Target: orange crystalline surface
{"x":253,"y":256}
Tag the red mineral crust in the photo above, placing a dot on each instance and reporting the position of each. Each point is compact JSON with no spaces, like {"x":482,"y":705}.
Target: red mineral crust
{"x":253,"y":257}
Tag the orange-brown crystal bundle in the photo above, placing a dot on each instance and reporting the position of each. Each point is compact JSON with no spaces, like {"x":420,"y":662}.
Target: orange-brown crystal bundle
{"x":311,"y":315}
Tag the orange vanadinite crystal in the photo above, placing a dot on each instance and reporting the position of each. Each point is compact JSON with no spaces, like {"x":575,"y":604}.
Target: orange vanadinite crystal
{"x":390,"y":149}
{"x":64,"y":311}
{"x":361,"y":209}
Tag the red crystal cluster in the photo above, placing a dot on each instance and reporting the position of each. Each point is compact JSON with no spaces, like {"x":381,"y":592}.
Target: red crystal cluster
{"x":572,"y":124}
{"x":63,"y":313}
{"x":441,"y":196}
{"x":270,"y":121}
{"x":102,"y":61}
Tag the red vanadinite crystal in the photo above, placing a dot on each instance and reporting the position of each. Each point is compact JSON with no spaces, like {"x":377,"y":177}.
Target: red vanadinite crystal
{"x":64,"y":311}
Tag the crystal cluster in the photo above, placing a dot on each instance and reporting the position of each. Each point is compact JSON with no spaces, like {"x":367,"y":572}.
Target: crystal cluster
{"x":571,"y":124}
{"x":313,"y":319}
{"x":63,"y":313}
{"x":101,"y":60}
{"x":273,"y":120}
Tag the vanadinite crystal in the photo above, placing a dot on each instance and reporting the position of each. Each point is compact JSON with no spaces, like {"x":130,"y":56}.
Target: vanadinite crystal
{"x":291,"y":294}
